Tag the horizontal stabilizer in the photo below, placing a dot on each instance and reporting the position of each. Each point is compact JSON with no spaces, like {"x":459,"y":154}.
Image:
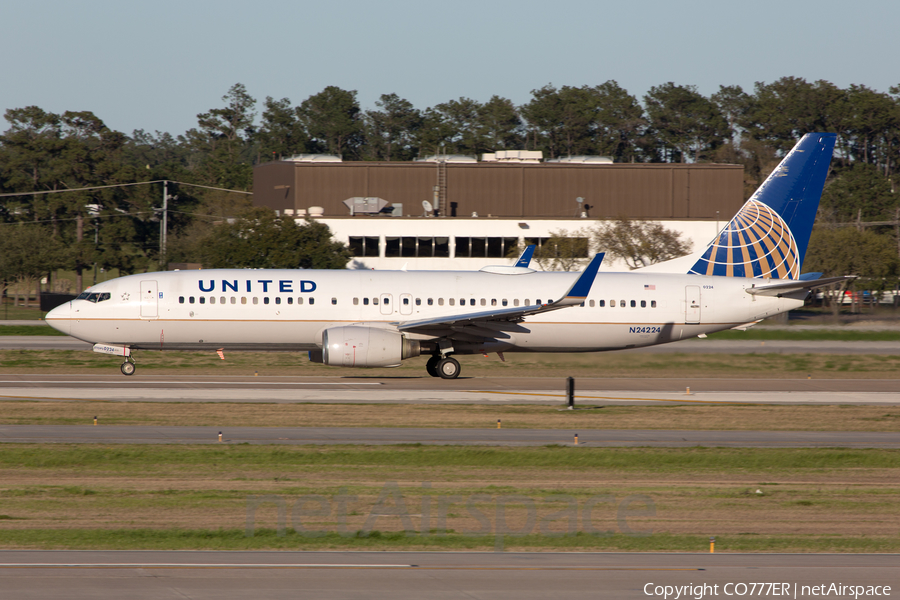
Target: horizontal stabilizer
{"x":780,"y":289}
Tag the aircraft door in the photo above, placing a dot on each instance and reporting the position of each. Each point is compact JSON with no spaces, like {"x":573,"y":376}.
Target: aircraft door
{"x":149,"y":300}
{"x":406,"y":304}
{"x":387,"y":307}
{"x":692,"y":304}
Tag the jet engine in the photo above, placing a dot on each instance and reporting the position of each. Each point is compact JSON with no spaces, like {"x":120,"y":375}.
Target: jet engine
{"x":355,"y":346}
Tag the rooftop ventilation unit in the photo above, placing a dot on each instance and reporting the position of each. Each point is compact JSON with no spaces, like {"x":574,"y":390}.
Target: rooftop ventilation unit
{"x":366,"y":206}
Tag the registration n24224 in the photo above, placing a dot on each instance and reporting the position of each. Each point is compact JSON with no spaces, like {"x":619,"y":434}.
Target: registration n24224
{"x":647,"y":329}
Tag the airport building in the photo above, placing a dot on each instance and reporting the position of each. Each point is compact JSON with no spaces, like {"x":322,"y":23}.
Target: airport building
{"x":454,"y":212}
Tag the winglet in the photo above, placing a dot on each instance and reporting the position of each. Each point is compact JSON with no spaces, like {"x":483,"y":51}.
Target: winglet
{"x":525,"y":258}
{"x":582,"y":287}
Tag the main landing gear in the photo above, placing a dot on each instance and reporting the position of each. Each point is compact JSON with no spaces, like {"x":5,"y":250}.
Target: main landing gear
{"x":128,"y":367}
{"x":445,"y":368}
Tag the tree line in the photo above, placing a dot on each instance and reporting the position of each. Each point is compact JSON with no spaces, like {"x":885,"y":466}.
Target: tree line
{"x":118,"y":227}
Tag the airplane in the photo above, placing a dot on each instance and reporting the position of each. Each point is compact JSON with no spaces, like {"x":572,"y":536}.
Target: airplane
{"x":750,"y":271}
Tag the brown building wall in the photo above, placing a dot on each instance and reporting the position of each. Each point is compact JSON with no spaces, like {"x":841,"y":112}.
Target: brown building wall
{"x":649,"y":191}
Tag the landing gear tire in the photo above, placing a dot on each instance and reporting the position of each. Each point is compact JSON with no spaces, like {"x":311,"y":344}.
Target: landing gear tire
{"x":432,"y":366}
{"x":448,"y":368}
{"x":128,"y":368}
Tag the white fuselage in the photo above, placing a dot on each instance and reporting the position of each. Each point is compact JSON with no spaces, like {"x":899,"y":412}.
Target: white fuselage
{"x":244,"y":309}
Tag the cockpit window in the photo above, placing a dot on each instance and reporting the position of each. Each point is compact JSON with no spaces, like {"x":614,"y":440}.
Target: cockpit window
{"x":94,"y":296}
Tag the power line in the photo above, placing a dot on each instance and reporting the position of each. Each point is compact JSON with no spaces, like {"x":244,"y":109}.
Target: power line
{"x":103,"y":187}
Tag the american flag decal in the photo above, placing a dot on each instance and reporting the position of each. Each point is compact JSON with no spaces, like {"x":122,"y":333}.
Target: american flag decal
{"x":649,"y":287}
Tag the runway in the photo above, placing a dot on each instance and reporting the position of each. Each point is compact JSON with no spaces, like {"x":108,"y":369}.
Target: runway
{"x":427,"y":390}
{"x":414,"y":575}
{"x":141,"y":434}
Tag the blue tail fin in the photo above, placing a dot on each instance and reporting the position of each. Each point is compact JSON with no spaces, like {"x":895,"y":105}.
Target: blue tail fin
{"x":769,"y":235}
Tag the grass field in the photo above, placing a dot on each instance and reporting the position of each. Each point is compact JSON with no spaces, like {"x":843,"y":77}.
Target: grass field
{"x":607,"y":364}
{"x":377,"y":498}
{"x":710,"y":417}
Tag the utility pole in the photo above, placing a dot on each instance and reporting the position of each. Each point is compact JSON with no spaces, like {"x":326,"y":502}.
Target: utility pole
{"x":163,"y":226}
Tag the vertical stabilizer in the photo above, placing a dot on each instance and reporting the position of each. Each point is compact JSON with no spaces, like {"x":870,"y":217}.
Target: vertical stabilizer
{"x":769,"y":235}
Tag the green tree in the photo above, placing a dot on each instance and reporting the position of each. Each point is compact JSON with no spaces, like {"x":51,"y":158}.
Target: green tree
{"x":860,"y":191}
{"x":686,"y":123}
{"x":392,"y":129}
{"x":500,"y":124}
{"x":563,"y":251}
{"x":333,"y":119}
{"x":258,"y":239}
{"x":619,"y":123}
{"x":456,"y":125}
{"x":223,"y":141}
{"x":27,"y":253}
{"x":281,"y":132}
{"x":639,"y":243}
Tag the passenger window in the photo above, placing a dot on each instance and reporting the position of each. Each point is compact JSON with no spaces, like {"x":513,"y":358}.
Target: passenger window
{"x":643,"y":304}
{"x":527,"y":302}
{"x":612,"y":303}
{"x":312,"y":300}
{"x":430,"y":301}
{"x":299,"y":300}
{"x":278,"y":300}
{"x":538,"y":301}
{"x":365,"y":301}
{"x":290,"y":299}
{"x":355,"y":301}
{"x":255,"y":300}
{"x":233,"y":300}
{"x":191,"y":300}
{"x":180,"y":299}
{"x":334,"y":301}
{"x":472,"y":301}
{"x":591,"y":304}
{"x":212,"y":299}
{"x":653,"y":304}
{"x":505,"y":302}
{"x":418,"y":302}
{"x":601,"y":303}
{"x":516,"y":302}
{"x":375,"y":301}
{"x":387,"y":301}
{"x":452,"y":301}
{"x":633,"y":304}
{"x":440,"y":301}
{"x":266,"y":300}
{"x":202,"y":299}
{"x":243,"y":299}
{"x":621,"y":304}
{"x":405,"y":301}
{"x":483,"y":302}
{"x":221,"y":299}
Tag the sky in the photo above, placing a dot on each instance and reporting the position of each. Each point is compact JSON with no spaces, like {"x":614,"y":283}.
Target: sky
{"x":156,"y":65}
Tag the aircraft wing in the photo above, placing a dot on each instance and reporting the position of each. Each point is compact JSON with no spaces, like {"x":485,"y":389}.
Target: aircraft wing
{"x":573,"y":297}
{"x":779,"y":289}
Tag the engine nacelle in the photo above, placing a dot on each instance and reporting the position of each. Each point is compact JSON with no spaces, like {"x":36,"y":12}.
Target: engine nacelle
{"x":355,"y":346}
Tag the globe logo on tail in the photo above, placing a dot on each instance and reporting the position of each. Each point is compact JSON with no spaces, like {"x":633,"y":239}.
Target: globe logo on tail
{"x":756,"y":243}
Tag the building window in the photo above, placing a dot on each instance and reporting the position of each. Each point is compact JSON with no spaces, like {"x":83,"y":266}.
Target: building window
{"x":485,"y":247}
{"x":364,"y":246}
{"x":391,"y":247}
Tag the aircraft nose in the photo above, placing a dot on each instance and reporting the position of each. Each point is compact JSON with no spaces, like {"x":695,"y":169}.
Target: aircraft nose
{"x":59,"y":318}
